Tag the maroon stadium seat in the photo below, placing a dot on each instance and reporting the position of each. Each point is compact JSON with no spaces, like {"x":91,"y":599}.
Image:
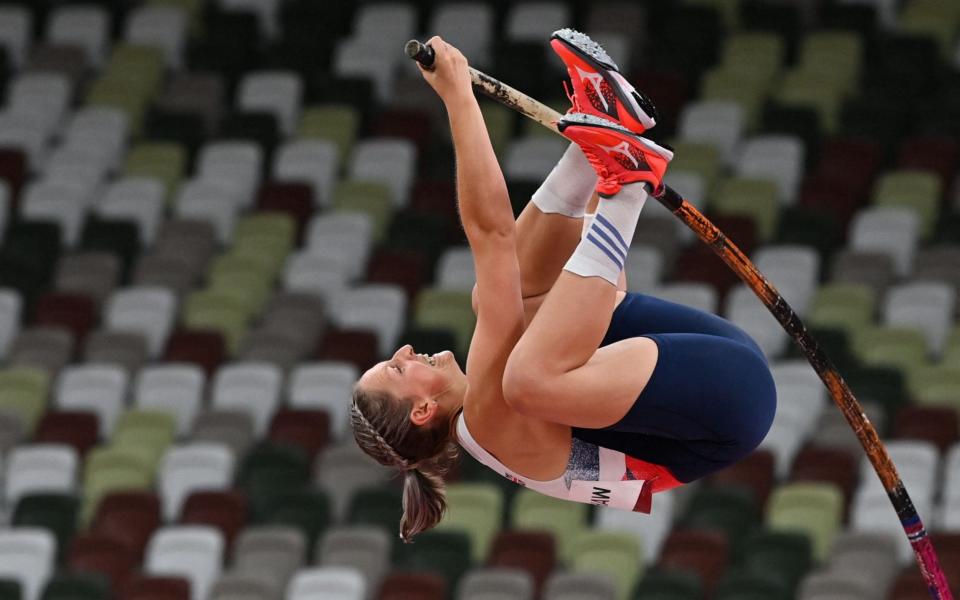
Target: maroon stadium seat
{"x":406,"y":268}
{"x":755,"y":472}
{"x":413,"y":125}
{"x":144,"y":587}
{"x":530,"y":551}
{"x":937,"y":153}
{"x":304,"y":428}
{"x":225,"y":510}
{"x":294,"y":199}
{"x":99,"y":553}
{"x":435,"y":196}
{"x":936,"y":424}
{"x":351,"y":345}
{"x":77,"y":429}
{"x":706,"y":553}
{"x":129,"y":517}
{"x":13,"y":169}
{"x":202,"y":347}
{"x":76,"y":312}
{"x":829,"y":465}
{"x":699,"y":264}
{"x":413,"y":586}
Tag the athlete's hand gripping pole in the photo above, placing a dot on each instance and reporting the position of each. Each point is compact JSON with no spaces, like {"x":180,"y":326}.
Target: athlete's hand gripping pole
{"x":709,"y":234}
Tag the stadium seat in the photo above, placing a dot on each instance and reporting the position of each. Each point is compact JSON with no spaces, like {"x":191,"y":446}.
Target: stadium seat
{"x":570,"y":585}
{"x":270,"y":551}
{"x":366,"y":549}
{"x":28,"y":556}
{"x":814,"y":509}
{"x":224,"y":510}
{"x":54,"y":512}
{"x":705,"y":553}
{"x":188,"y":468}
{"x":128,"y":518}
{"x":100,"y":389}
{"x":339,"y":582}
{"x":423,"y":586}
{"x":532,"y":552}
{"x":102,"y":555}
{"x":39,"y":468}
{"x":191,"y":551}
{"x":147,"y":587}
{"x":676,"y":584}
{"x":616,"y":555}
{"x":509,"y":584}
{"x":78,"y":430}
{"x":174,"y":388}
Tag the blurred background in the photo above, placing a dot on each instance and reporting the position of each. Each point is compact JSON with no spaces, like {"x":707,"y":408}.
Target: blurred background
{"x":215,"y":214}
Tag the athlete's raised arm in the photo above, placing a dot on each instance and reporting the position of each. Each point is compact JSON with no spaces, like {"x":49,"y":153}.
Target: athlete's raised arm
{"x":486,"y":216}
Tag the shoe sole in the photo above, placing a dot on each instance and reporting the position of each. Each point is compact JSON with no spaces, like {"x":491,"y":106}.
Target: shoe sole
{"x":593,"y":54}
{"x":587,"y":120}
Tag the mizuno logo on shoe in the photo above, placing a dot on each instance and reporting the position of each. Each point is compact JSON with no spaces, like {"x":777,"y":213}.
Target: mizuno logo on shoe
{"x":595,"y":79}
{"x":621,"y":148}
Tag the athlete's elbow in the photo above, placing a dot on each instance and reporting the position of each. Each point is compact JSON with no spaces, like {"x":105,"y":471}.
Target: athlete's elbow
{"x":522,"y":388}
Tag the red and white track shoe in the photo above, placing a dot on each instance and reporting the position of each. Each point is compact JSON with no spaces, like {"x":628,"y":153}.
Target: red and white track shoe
{"x":619,"y":156}
{"x":598,"y":87}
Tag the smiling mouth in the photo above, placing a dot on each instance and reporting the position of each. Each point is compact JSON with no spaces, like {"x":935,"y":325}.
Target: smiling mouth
{"x":431,"y":359}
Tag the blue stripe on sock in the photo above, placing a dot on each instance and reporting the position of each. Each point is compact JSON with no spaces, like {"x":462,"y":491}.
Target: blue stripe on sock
{"x":600,"y":245}
{"x":613,"y":245}
{"x":613,"y":230}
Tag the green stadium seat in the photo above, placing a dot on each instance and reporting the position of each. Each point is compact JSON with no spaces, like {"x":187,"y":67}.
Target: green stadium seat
{"x":10,"y":589}
{"x":23,"y":394}
{"x":669,"y":584}
{"x":809,"y":227}
{"x":447,"y":309}
{"x":937,"y":385}
{"x":747,"y":88}
{"x":618,"y":555}
{"x":218,"y":311}
{"x":247,"y":288}
{"x":113,"y":469}
{"x":814,"y":509}
{"x":501,"y":123}
{"x":77,"y":586}
{"x":849,"y":307}
{"x":753,"y":198}
{"x":141,"y":67}
{"x":898,"y":347}
{"x":270,"y":471}
{"x":914,"y":189}
{"x":758,"y":52}
{"x":377,"y":506}
{"x":368,"y":197}
{"x":565,"y":520}
{"x":336,"y":122}
{"x":839,"y":52}
{"x":475,"y":509}
{"x":814,"y":90}
{"x":697,"y":157}
{"x":930,"y":18}
{"x":112,"y":90}
{"x":731,"y":510}
{"x":882,"y":385}
{"x":780,"y":554}
{"x":148,"y":429}
{"x":445,"y":553}
{"x":737,"y":585}
{"x":56,"y":513}
{"x":307,"y":510}
{"x":165,"y":161}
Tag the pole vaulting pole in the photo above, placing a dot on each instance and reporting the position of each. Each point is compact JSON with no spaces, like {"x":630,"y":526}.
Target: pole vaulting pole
{"x":745,"y":269}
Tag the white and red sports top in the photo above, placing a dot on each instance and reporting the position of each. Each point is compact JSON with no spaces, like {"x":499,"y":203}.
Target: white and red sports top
{"x":594,"y":475}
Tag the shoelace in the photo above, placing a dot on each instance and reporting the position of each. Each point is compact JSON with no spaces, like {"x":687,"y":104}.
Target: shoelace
{"x":570,"y":95}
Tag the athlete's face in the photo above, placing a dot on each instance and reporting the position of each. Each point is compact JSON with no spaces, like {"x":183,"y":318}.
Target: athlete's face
{"x":429,"y":379}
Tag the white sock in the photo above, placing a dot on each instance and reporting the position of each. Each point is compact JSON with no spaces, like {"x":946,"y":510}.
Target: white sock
{"x":603,"y":249}
{"x":568,"y":187}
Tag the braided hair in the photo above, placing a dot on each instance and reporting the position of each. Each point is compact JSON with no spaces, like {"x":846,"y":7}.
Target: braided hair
{"x":382,"y":428}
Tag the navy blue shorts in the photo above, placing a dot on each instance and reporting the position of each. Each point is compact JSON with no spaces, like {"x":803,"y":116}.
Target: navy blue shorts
{"x":710,"y":400}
